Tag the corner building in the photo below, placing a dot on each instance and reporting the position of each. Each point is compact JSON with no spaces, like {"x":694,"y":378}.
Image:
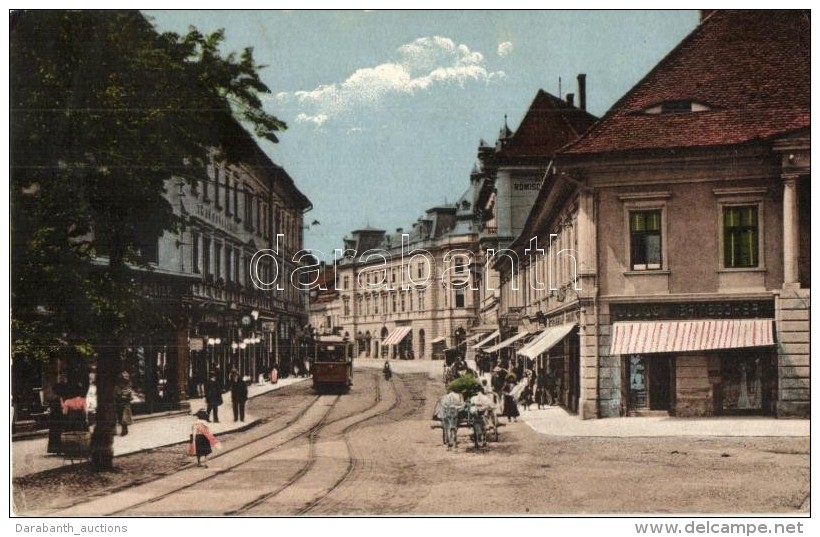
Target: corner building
{"x":689,"y":213}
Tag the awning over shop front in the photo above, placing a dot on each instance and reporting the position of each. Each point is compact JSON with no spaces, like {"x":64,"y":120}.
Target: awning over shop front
{"x":473,"y":337}
{"x":439,"y":339}
{"x":546,"y":340}
{"x":507,"y":342}
{"x":684,"y":336}
{"x":397,"y":335}
{"x":487,"y":339}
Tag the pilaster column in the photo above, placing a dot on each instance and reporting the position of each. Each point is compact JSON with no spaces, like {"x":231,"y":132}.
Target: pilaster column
{"x":791,"y":231}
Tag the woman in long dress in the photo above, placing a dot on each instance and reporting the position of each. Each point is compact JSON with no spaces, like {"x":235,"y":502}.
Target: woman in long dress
{"x":202,"y":440}
{"x":510,"y":406}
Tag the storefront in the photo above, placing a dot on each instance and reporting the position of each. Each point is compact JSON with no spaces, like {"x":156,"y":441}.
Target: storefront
{"x":555,"y":353}
{"x":701,"y":367}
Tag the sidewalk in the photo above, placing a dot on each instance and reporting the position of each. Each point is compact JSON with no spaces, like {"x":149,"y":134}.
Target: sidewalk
{"x":556,"y":421}
{"x":150,"y":431}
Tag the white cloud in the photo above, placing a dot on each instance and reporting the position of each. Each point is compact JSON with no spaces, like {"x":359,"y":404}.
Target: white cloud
{"x":504,"y":48}
{"x":419,"y":66}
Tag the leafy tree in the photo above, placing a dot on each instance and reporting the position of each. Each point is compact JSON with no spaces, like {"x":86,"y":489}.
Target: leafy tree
{"x":104,"y":110}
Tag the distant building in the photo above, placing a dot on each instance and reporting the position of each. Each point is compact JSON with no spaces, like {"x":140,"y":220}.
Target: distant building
{"x":687,"y":213}
{"x":403,"y":293}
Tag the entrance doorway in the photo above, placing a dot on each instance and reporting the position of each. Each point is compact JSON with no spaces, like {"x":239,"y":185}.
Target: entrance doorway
{"x":647,"y":382}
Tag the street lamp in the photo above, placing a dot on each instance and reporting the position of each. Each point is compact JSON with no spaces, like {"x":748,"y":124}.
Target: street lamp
{"x":243,"y":345}
{"x":211,"y":343}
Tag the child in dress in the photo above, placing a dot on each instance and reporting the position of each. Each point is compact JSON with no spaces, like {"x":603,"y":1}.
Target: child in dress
{"x":201,"y":439}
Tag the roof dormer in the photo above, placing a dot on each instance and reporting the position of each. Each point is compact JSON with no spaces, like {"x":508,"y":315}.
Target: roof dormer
{"x":676,"y":107}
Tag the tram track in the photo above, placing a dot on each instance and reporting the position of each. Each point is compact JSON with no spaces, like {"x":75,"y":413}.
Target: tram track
{"x":353,"y":461}
{"x":311,"y":433}
{"x":260,"y":447}
{"x":312,"y":457}
{"x":245,"y":446}
{"x":145,"y":480}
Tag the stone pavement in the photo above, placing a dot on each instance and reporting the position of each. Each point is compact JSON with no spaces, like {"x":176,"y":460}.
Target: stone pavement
{"x":29,"y":455}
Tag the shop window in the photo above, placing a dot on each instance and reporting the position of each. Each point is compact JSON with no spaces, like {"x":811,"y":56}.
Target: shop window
{"x":645,"y":240}
{"x":740,"y":237}
{"x":742,"y":384}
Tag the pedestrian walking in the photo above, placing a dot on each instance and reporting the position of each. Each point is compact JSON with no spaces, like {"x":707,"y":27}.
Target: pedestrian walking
{"x":213,"y":397}
{"x":239,"y":395}
{"x":122,"y":402}
{"x":510,"y":406}
{"x":56,"y":419}
{"x":200,"y":379}
{"x":202,"y":441}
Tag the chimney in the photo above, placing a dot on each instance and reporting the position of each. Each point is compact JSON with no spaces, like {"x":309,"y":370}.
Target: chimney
{"x":582,"y":91}
{"x":571,"y":99}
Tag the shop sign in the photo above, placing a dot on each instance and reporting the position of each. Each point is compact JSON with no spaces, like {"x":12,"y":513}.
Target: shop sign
{"x":196,"y":344}
{"x":746,"y":309}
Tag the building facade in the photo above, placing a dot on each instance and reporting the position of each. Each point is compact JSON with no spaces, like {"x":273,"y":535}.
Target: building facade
{"x":686,"y":211}
{"x":406,"y":294}
{"x":511,"y":174}
{"x":204,"y":280}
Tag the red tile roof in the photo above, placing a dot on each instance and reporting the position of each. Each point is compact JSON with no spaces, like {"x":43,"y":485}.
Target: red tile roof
{"x":550,"y":123}
{"x":751,"y":68}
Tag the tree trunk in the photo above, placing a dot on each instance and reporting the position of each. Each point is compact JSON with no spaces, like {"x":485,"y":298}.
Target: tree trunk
{"x":109,"y":365}
{"x":102,"y":440}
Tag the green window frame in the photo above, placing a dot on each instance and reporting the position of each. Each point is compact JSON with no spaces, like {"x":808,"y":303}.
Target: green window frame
{"x":741,"y":236}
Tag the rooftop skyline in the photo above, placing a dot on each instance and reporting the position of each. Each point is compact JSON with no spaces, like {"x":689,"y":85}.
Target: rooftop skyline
{"x":386,"y":109}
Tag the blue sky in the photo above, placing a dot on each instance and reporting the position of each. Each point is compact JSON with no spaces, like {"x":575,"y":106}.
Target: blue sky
{"x":385,"y":109}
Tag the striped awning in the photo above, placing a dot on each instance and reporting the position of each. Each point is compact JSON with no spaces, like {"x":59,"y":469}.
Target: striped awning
{"x":507,"y":342}
{"x":684,"y":336}
{"x":546,"y":340}
{"x":397,"y":335}
{"x":487,"y":339}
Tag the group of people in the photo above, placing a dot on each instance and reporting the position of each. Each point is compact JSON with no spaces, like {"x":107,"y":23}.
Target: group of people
{"x":73,"y":406}
{"x":213,"y":396}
